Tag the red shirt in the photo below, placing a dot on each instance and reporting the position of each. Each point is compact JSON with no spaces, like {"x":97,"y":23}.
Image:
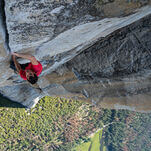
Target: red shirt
{"x":36,"y":68}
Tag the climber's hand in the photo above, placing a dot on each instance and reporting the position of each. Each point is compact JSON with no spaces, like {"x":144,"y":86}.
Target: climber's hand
{"x":15,"y":54}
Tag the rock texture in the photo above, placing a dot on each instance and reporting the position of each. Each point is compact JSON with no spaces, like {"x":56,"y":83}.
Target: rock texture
{"x":102,"y":61}
{"x":2,"y":50}
{"x":31,"y":23}
{"x":2,"y":34}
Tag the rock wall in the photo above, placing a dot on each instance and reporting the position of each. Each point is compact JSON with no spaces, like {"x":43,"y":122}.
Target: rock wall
{"x":102,"y":61}
{"x":116,"y":70}
{"x":2,"y":33}
{"x":2,"y":52}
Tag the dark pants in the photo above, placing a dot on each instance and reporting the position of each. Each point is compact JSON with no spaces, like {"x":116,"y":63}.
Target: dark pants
{"x":12,"y":65}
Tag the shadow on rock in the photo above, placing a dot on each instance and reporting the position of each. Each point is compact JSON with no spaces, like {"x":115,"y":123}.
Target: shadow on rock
{"x":5,"y":102}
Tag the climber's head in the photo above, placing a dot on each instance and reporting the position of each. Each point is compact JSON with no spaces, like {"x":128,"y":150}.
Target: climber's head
{"x":31,"y":76}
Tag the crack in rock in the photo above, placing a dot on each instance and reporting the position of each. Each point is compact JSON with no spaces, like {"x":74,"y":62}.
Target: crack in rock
{"x":3,"y":27}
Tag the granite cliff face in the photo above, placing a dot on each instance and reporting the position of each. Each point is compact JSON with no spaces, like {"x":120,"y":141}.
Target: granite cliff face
{"x":86,"y":56}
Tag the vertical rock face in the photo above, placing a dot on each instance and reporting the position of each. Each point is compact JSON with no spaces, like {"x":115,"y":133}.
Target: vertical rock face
{"x":103,"y":61}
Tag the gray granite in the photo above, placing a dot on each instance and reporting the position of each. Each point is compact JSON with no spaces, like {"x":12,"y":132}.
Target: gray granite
{"x":101,"y":61}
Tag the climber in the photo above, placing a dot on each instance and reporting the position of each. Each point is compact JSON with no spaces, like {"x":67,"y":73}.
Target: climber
{"x":29,"y":71}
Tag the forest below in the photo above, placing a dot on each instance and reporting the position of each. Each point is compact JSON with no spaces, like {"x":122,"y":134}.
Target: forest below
{"x":59,"y":124}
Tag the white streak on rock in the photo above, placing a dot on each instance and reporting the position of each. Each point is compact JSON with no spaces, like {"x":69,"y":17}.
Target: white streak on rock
{"x":86,"y":33}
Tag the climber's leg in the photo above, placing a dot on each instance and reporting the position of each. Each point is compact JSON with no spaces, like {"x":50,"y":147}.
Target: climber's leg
{"x":12,"y":65}
{"x":23,"y":66}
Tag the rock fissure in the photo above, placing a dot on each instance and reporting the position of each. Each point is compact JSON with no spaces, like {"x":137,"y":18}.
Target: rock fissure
{"x":139,"y":41}
{"x":4,"y":30}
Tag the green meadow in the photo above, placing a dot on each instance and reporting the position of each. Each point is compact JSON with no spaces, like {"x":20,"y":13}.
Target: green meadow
{"x":95,"y":143}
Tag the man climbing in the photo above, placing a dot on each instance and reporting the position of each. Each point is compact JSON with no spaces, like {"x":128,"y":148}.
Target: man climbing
{"x":29,"y":71}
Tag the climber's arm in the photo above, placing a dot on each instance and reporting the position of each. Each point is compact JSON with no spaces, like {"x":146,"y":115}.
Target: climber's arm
{"x":17,"y":65}
{"x":26,"y":56}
